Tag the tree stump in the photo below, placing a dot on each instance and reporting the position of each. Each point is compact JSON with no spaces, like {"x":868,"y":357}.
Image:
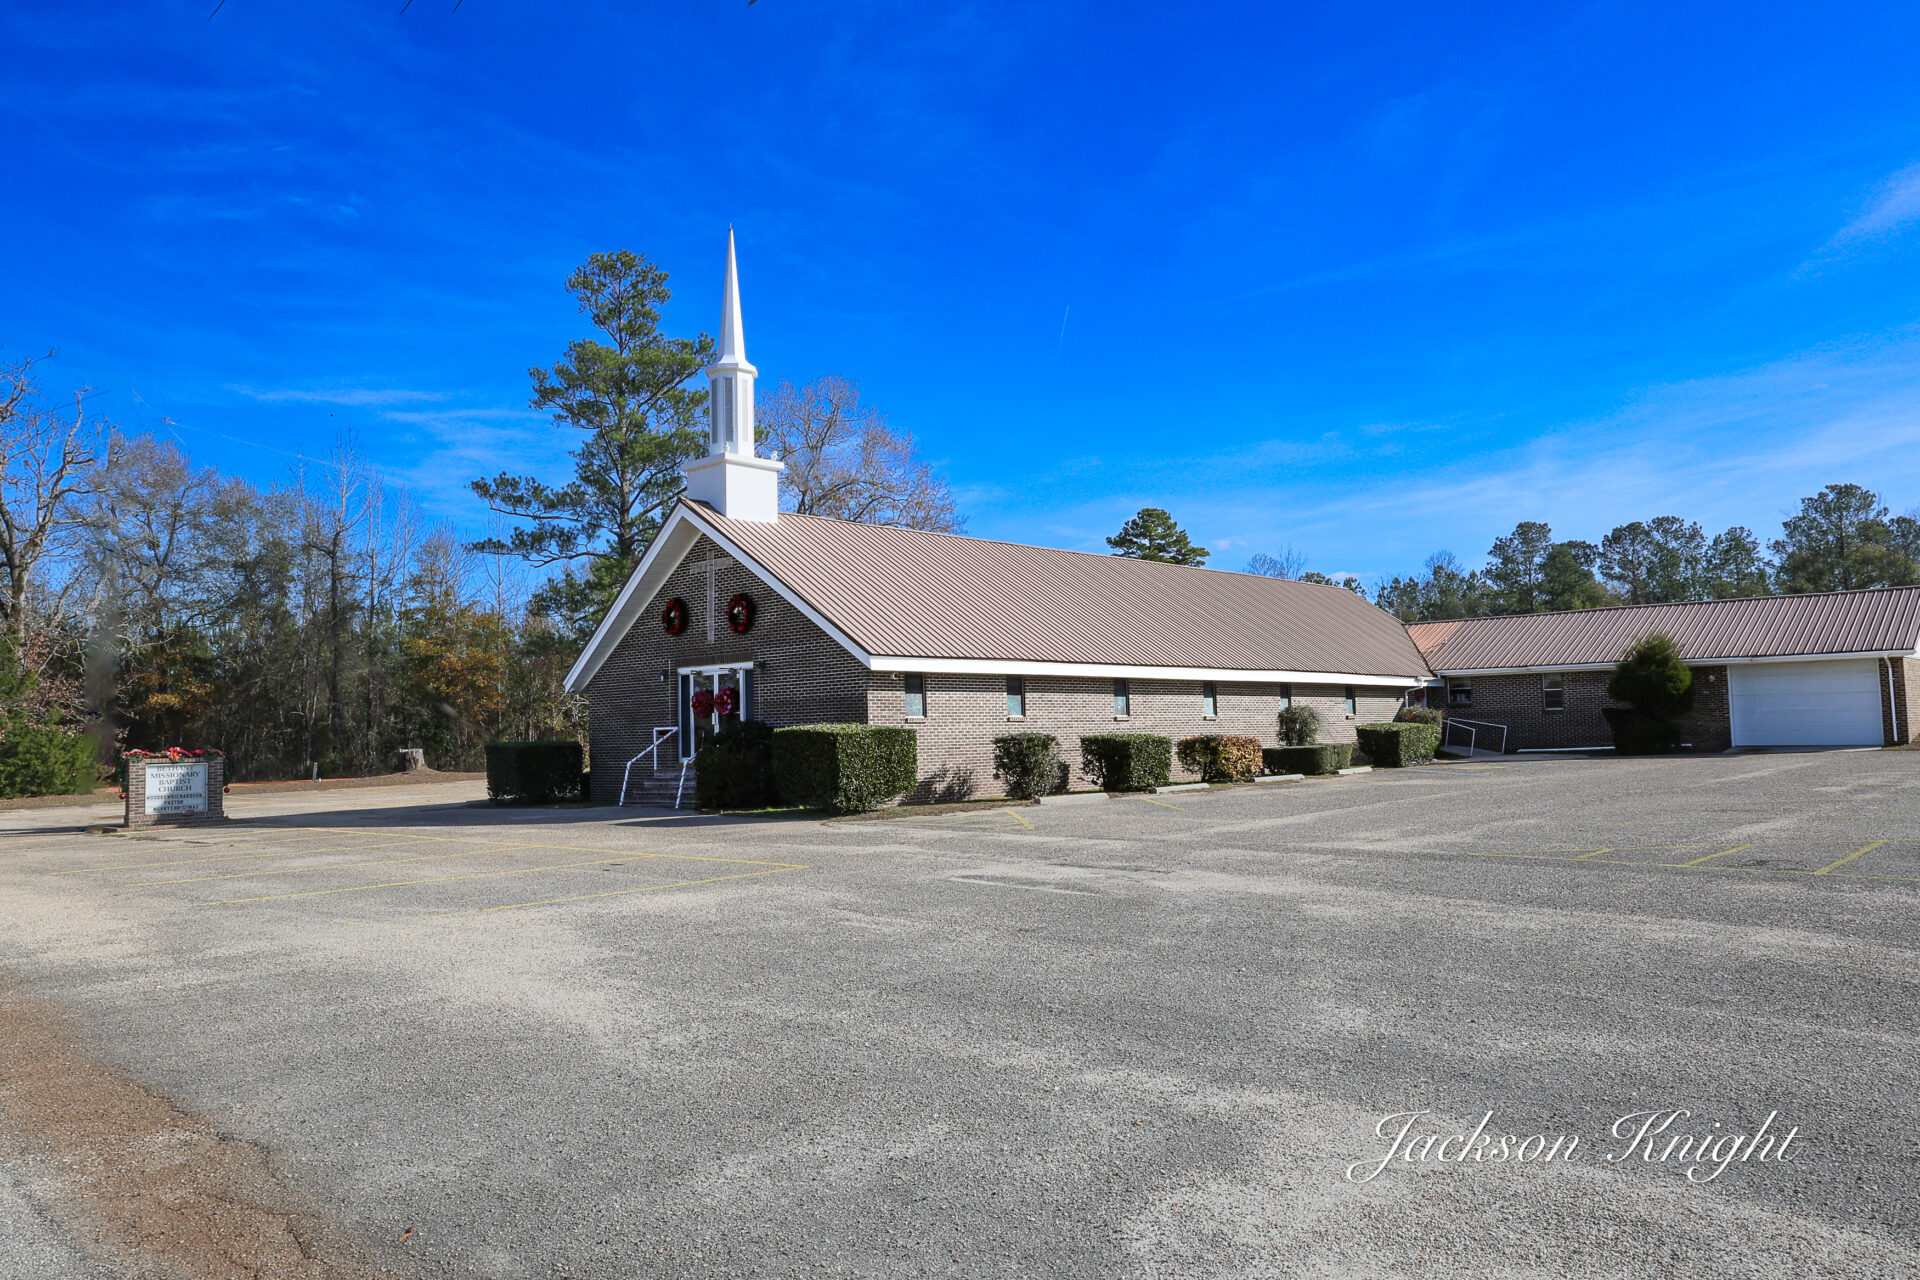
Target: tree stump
{"x":409,"y":760}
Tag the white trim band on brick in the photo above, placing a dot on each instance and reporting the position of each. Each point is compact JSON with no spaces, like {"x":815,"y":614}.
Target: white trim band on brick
{"x":1000,"y":667}
{"x":1446,"y":673}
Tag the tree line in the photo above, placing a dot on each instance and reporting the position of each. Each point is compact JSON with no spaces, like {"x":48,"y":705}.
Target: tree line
{"x":1841,"y":539}
{"x":319,"y":625}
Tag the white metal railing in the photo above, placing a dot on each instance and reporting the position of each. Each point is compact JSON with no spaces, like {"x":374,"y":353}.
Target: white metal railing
{"x":661,"y":733}
{"x":1472,"y":728}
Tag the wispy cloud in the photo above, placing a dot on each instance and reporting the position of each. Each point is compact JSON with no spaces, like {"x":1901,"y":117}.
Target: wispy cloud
{"x":1895,"y":204}
{"x":358,"y":397}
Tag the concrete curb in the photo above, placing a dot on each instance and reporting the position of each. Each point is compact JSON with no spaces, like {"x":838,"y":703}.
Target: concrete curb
{"x":1183,"y":786}
{"x":1359,"y":768}
{"x":1090,"y":797}
{"x":1281,"y":777}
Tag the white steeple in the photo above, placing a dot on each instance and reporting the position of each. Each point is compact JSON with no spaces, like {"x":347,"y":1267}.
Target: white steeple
{"x":730,"y":477}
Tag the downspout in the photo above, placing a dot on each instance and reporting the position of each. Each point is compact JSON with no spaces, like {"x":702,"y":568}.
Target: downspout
{"x":1893,"y":703}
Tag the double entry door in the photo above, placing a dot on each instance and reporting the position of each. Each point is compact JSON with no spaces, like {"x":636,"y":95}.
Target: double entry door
{"x":710,"y":697}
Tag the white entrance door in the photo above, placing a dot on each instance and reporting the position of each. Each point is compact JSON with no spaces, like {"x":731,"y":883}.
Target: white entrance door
{"x":1805,"y":704}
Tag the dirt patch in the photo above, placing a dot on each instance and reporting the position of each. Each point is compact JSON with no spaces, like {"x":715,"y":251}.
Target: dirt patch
{"x":144,"y":1187}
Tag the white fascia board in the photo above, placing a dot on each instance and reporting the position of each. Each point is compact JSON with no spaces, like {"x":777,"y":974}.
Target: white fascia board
{"x":1451,"y":672}
{"x":675,"y":539}
{"x":1001,"y":667}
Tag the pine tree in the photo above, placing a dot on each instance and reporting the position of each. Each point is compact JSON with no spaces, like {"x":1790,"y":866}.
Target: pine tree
{"x":1152,"y":535}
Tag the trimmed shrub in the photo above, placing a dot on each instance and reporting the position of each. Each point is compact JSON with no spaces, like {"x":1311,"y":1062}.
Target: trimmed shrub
{"x":44,"y":760}
{"x":734,"y":770}
{"x":1325,"y":757}
{"x":1298,"y":727}
{"x":533,"y":772}
{"x":1127,"y":761}
{"x":1221,"y":757}
{"x":1420,"y":715}
{"x":848,"y":768}
{"x":1655,"y":683}
{"x":1638,"y":734}
{"x":1029,"y":764}
{"x":1397,"y":745}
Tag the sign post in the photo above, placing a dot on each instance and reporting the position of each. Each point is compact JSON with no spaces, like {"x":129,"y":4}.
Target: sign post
{"x":175,"y":789}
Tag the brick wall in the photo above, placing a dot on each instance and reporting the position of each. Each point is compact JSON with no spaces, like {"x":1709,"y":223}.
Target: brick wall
{"x":136,"y":803}
{"x":1519,"y":702}
{"x":805,"y":676}
{"x":965,"y":714}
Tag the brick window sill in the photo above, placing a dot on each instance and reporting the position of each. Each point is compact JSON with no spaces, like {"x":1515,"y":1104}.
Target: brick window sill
{"x":1016,"y":719}
{"x":1209,"y":718}
{"x":915,"y":719}
{"x":1122,"y":719}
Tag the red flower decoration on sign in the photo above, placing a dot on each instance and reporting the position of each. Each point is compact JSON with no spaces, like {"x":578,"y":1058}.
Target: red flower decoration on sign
{"x":726,"y":702}
{"x":673,"y":618}
{"x":740,"y":613}
{"x":703,"y":702}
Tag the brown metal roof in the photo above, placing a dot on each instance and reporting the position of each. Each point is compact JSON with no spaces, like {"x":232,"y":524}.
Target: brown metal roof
{"x":908,"y":593}
{"x":1876,"y":621}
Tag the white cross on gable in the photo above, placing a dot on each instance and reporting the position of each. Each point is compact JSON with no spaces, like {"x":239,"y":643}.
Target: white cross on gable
{"x":712,"y":564}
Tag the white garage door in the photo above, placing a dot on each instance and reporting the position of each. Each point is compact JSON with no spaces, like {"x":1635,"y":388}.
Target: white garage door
{"x":1806,"y":704}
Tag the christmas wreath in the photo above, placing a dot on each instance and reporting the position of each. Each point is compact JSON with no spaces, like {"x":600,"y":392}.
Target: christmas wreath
{"x":703,"y":702}
{"x":726,"y":702}
{"x":740,"y":613}
{"x":673,"y":618}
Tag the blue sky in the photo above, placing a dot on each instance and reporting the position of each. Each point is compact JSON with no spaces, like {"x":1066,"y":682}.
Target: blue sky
{"x":1372,"y":281}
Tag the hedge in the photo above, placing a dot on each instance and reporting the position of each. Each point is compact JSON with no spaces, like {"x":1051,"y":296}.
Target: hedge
{"x":1638,"y":734}
{"x":1394,"y":746}
{"x":534,"y":772}
{"x":1127,"y":761}
{"x":1325,"y":757}
{"x":734,"y":769}
{"x":1221,"y":757}
{"x":848,"y":768}
{"x":1029,"y":764}
{"x":1420,"y":715}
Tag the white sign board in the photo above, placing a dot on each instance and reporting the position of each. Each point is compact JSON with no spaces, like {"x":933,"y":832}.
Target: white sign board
{"x":177,"y":788}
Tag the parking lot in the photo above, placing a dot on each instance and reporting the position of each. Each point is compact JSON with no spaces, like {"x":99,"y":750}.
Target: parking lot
{"x":1141,"y":1038}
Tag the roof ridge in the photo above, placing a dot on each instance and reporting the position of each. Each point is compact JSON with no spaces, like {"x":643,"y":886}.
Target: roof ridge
{"x":1036,"y":546}
{"x":1676,"y":604}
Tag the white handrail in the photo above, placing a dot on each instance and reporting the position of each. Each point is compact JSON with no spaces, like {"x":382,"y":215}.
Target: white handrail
{"x":1473,"y":736}
{"x":660,"y":734}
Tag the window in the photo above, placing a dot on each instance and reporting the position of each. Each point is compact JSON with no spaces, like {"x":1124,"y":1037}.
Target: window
{"x":916,"y":695}
{"x":1209,"y":699}
{"x":1016,"y":696}
{"x":1122,"y":700}
{"x":1553,"y":693}
{"x":1353,"y":703}
{"x":1286,"y":696}
{"x":1459,"y":693}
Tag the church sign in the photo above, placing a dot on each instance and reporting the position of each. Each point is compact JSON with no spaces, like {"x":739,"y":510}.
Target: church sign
{"x":175,"y":787}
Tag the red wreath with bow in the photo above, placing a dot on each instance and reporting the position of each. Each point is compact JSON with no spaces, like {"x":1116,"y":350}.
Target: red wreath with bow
{"x":726,"y":702}
{"x":673,"y":618}
{"x":703,"y":702}
{"x":740,"y":613}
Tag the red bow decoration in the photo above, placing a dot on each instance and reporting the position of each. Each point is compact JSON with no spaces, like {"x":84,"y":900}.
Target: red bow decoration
{"x":726,"y":702}
{"x":702,"y":702}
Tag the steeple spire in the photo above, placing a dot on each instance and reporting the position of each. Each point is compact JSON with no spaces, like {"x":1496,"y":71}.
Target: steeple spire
{"x":733,"y":344}
{"x":730,"y":478}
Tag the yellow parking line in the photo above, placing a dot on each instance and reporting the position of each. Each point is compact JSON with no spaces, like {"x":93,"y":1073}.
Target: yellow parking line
{"x":1162,"y":803}
{"x":581,"y":897}
{"x":1710,"y":857}
{"x":338,"y":866}
{"x":567,"y":848}
{"x":615,"y":861}
{"x":1017,"y":818}
{"x":228,"y":857}
{"x":1596,"y":853}
{"x":401,"y":884}
{"x":1865,"y":848}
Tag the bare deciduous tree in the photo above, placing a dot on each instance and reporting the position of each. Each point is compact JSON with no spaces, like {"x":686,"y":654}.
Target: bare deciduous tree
{"x":844,"y":461}
{"x":48,"y":463}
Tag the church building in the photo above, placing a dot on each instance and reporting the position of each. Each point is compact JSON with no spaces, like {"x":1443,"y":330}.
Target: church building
{"x":740,"y":610}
